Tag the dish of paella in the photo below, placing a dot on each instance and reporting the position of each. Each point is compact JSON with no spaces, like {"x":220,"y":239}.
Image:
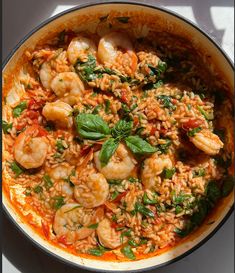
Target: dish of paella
{"x":116,"y":147}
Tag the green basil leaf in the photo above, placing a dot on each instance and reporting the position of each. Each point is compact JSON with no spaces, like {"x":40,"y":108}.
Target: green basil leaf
{"x":122,"y":129}
{"x":127,"y":251}
{"x":163,"y":148}
{"x":227,"y":186}
{"x":91,"y":126}
{"x":6,"y":127}
{"x":133,"y":243}
{"x":107,"y":150}
{"x":139,"y":146}
{"x":19,"y":109}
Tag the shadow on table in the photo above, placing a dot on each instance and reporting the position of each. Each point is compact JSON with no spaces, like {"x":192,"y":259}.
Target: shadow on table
{"x":16,"y":248}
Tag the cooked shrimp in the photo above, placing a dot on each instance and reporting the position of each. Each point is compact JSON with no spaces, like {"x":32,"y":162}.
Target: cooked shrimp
{"x":79,"y":47}
{"x":68,"y":87}
{"x":94,"y":192}
{"x":110,"y":47}
{"x":208,"y":142}
{"x":154,"y":166}
{"x":46,"y":75}
{"x":108,"y":236}
{"x":120,"y":165}
{"x":71,"y":225}
{"x":60,"y":173}
{"x":30,"y":150}
{"x":59,"y":112}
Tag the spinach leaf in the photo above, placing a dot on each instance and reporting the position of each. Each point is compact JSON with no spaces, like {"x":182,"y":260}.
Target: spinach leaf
{"x":199,"y":172}
{"x":143,"y":210}
{"x":213,"y":192}
{"x":107,"y":106}
{"x":198,"y":216}
{"x":163,"y":148}
{"x":47,"y":181}
{"x":122,"y":129}
{"x":193,"y":131}
{"x":58,"y":202}
{"x":86,"y":70}
{"x":139,"y":146}
{"x":127,"y":251}
{"x":148,"y":201}
{"x":16,"y":169}
{"x":123,"y":20}
{"x":93,"y":226}
{"x":59,"y":145}
{"x":38,"y":189}
{"x":115,"y":181}
{"x":168,"y":173}
{"x":19,"y":109}
{"x":207,"y":115}
{"x":227,"y":186}
{"x":91,"y":126}
{"x":167,"y":102}
{"x":133,"y":243}
{"x":98,"y":251}
{"x":114,"y":195}
{"x":151,"y":85}
{"x":6,"y":127}
{"x":133,"y":179}
{"x":107,"y":150}
{"x":126,"y":233}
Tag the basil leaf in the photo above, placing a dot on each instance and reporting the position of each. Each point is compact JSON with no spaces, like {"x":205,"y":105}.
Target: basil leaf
{"x":6,"y":127}
{"x":91,"y":126}
{"x":86,"y":70}
{"x":122,"y":129}
{"x":139,"y":146}
{"x":107,"y":106}
{"x":59,"y":145}
{"x":16,"y":169}
{"x":107,"y":150}
{"x":19,"y":109}
{"x":127,"y":251}
{"x":133,"y":243}
{"x":227,"y":186}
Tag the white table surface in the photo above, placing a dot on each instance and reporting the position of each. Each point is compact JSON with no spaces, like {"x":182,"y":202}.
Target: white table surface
{"x":214,"y":16}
